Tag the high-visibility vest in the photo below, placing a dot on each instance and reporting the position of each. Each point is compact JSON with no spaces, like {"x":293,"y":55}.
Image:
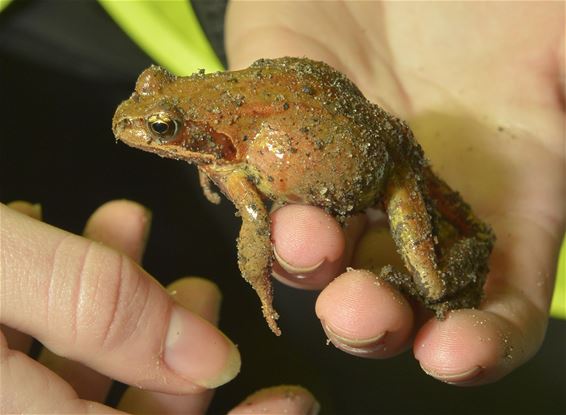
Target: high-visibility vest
{"x":168,"y":31}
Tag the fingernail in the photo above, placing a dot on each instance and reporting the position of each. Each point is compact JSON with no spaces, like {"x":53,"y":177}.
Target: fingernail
{"x":357,"y":346}
{"x":294,"y":269}
{"x":198,"y":352}
{"x":458,"y":378}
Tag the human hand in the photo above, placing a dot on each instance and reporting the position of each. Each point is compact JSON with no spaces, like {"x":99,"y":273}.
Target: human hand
{"x":101,"y":317}
{"x":487,"y":104}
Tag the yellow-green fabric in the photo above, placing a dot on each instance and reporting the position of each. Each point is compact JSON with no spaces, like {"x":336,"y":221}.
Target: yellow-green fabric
{"x":558,"y":307}
{"x":169,"y":32}
{"x":4,"y":3}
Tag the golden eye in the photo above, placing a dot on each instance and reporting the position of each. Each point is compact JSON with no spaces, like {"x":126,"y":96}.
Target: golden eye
{"x":163,"y":126}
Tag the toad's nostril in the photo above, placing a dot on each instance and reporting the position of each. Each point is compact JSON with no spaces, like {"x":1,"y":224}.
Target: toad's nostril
{"x":121,"y":125}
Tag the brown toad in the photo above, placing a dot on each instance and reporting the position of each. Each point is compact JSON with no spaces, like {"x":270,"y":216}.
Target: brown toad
{"x":293,"y":130}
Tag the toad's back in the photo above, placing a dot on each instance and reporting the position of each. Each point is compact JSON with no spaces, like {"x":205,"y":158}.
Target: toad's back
{"x":305,"y":133}
{"x":301,"y":131}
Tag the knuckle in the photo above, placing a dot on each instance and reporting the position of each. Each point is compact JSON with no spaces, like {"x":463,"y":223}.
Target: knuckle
{"x":123,"y":304}
{"x":110,"y":298}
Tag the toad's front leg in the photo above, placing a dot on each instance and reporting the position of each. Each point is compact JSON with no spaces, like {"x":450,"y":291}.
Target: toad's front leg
{"x":210,"y":194}
{"x":255,"y":251}
{"x":443,"y":245}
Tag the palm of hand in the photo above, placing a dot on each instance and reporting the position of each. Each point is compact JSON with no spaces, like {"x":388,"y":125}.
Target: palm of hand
{"x":489,"y":114}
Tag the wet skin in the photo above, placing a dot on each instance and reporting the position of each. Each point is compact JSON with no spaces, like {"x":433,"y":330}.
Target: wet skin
{"x":292,"y":130}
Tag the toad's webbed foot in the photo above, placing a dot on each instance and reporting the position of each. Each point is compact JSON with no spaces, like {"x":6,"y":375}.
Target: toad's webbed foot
{"x":444,"y":246}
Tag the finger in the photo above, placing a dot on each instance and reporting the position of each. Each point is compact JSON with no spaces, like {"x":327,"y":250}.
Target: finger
{"x":309,"y":245}
{"x":364,"y":316}
{"x":198,"y":295}
{"x":292,"y":400}
{"x":88,"y":303}
{"x":29,"y":209}
{"x":29,"y":387}
{"x":474,"y":347}
{"x":17,"y":340}
{"x":203,"y":298}
{"x":121,"y":225}
{"x":376,"y":248}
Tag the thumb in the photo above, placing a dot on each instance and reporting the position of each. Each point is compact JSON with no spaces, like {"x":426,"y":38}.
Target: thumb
{"x":91,"y":304}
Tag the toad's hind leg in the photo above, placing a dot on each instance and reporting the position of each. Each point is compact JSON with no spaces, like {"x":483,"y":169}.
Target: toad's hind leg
{"x":254,"y":242}
{"x":464,"y":243}
{"x":443,"y":245}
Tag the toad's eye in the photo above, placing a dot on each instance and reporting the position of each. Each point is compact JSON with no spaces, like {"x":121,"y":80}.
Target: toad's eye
{"x":163,"y":126}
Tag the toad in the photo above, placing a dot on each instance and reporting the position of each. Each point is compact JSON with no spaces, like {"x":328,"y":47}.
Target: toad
{"x":293,"y":130}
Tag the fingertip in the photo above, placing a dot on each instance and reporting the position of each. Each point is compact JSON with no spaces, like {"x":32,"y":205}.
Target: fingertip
{"x":309,"y":245}
{"x":364,"y":316}
{"x":122,"y":205}
{"x":218,"y":359}
{"x":30,"y":209}
{"x":199,"y":295}
{"x":213,"y":359}
{"x":470,"y":347}
{"x":121,"y":224}
{"x":285,"y":399}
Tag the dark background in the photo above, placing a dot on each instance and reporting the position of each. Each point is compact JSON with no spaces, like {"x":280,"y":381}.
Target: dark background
{"x":64,"y":67}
